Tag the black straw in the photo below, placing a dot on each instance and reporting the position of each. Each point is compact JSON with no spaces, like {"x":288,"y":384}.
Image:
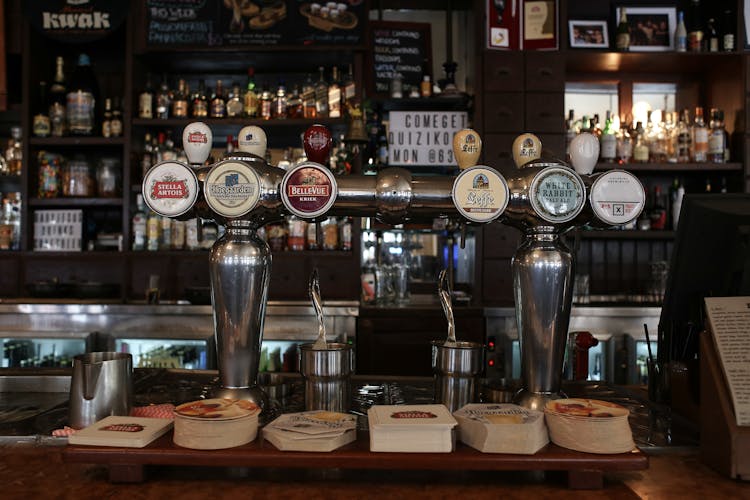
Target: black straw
{"x":648,"y":344}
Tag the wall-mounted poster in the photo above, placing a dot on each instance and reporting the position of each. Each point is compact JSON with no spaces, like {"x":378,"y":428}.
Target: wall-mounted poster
{"x":522,"y":24}
{"x":216,"y":23}
{"x":399,"y":49}
{"x":75,"y":21}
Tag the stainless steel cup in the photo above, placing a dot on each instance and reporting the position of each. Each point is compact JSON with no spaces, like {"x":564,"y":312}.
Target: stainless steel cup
{"x":327,"y":373}
{"x":101,"y":385}
{"x":456,"y":370}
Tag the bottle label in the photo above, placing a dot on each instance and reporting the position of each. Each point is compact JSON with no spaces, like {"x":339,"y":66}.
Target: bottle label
{"x":622,"y":41}
{"x":640,"y":153}
{"x":557,"y":194}
{"x":232,"y":188}
{"x":170,"y":188}
{"x":42,"y":125}
{"x":608,"y":147}
{"x":80,"y":111}
{"x":145,"y":106}
{"x":716,"y":143}
{"x":200,"y":109}
{"x":617,"y":197}
{"x":180,"y":109}
{"x":480,"y":194}
{"x":308,"y":190}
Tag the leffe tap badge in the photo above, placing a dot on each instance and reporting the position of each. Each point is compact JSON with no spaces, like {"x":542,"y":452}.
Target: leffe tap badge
{"x":480,"y":194}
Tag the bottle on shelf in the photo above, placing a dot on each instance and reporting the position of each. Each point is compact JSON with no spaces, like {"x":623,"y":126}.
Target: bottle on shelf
{"x":308,"y":98}
{"x":658,"y":211}
{"x":266,"y":103}
{"x":165,"y":236}
{"x":622,"y":38}
{"x":294,"y":107}
{"x":146,"y":99}
{"x":218,"y":106}
{"x":695,"y":28}
{"x":425,"y":86}
{"x":200,"y":101}
{"x":57,"y":94}
{"x":153,"y":231}
{"x":250,"y":100}
{"x":163,"y":99}
{"x":712,"y":36}
{"x":717,"y":137}
{"x":334,"y":95}
{"x":147,"y":158}
{"x":179,"y":105}
{"x":81,"y":98}
{"x":279,"y":103}
{"x":700,"y":137}
{"x":107,"y":118}
{"x":297,"y":230}
{"x":321,"y":95}
{"x":312,"y":237}
{"x":234,"y":103}
{"x":41,"y":126}
{"x":229,"y":148}
{"x":608,"y":141}
{"x":345,"y":236}
{"x":349,"y":88}
{"x":624,"y":145}
{"x":728,"y":26}
{"x":570,"y":131}
{"x":14,"y":152}
{"x":684,"y":139}
{"x":723,"y":188}
{"x":640,"y":147}
{"x":139,"y":223}
{"x":676,"y":194}
{"x":680,"y":34}
{"x":330,"y":230}
{"x":116,"y":123}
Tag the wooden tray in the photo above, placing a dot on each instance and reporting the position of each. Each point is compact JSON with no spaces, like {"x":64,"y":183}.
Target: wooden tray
{"x":585,"y":470}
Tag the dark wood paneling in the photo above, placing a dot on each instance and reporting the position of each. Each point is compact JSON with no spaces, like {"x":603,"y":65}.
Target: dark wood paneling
{"x":10,"y":278}
{"x":497,"y":152}
{"x":553,"y":145}
{"x":544,"y":112}
{"x":498,"y":283}
{"x":500,"y":241}
{"x":545,"y":72}
{"x":503,"y":71}
{"x":503,"y":111}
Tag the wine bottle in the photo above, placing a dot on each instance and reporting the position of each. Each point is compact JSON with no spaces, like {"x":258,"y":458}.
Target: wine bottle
{"x":622,"y":39}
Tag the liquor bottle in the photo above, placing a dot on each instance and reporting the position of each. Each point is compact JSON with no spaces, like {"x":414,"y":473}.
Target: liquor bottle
{"x":218,"y":107}
{"x":116,"y":123}
{"x":311,"y":235}
{"x":178,"y":236}
{"x":279,"y":103}
{"x":622,"y":38}
{"x":570,"y":131}
{"x":146,"y":100}
{"x":266,"y":103}
{"x":294,"y":107}
{"x":234,"y":103}
{"x":334,"y":95}
{"x":81,"y":98}
{"x":700,"y":137}
{"x":624,"y":145}
{"x":153,"y":231}
{"x":163,"y":99}
{"x":321,"y":95}
{"x":680,"y":34}
{"x":676,"y":197}
{"x":723,"y":188}
{"x":349,"y":88}
{"x":147,"y":159}
{"x":425,"y":86}
{"x":165,"y":238}
{"x":330,"y":229}
{"x":308,"y":98}
{"x":229,"y":148}
{"x":179,"y":102}
{"x":297,"y":229}
{"x":345,"y":236}
{"x":139,"y":223}
{"x":250,"y":102}
{"x":727,"y":31}
{"x":107,"y":118}
{"x":712,"y":36}
{"x":695,"y":30}
{"x":608,"y":141}
{"x":659,"y":211}
{"x":684,"y":140}
{"x":14,"y":153}
{"x":717,"y":137}
{"x":200,"y":101}
{"x":57,"y":94}
{"x":41,"y":123}
{"x":640,"y":148}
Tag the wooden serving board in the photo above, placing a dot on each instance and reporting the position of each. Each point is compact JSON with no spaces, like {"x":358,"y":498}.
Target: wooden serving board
{"x":585,"y":470}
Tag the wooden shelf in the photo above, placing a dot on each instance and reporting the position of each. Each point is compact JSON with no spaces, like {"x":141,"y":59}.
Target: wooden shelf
{"x":76,"y":141}
{"x":673,"y":167}
{"x":593,"y":61}
{"x":288,"y":122}
{"x":75,"y":202}
{"x":626,"y":234}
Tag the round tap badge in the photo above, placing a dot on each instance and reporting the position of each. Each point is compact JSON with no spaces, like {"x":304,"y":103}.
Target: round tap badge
{"x":557,"y":194}
{"x":232,"y":188}
{"x":480,"y":194}
{"x":170,"y":188}
{"x":308,"y":190}
{"x":617,"y":197}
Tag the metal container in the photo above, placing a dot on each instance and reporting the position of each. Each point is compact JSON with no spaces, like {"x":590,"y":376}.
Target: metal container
{"x":327,"y":373}
{"x":456,"y":370}
{"x":101,"y":385}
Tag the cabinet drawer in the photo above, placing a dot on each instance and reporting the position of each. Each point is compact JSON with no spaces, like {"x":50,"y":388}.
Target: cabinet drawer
{"x":497,"y":152}
{"x":545,"y":72}
{"x":503,"y":112}
{"x":503,"y":71}
{"x":544,"y":112}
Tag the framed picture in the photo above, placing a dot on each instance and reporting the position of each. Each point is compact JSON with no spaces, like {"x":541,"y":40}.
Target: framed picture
{"x":651,"y":28}
{"x":588,"y":34}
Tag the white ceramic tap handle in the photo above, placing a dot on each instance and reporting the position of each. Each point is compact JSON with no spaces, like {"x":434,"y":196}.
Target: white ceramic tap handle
{"x":252,"y":139}
{"x":196,"y":141}
{"x":584,"y":153}
{"x":526,"y":148}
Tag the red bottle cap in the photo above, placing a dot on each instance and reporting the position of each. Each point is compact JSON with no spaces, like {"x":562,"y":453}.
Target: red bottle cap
{"x":317,"y":142}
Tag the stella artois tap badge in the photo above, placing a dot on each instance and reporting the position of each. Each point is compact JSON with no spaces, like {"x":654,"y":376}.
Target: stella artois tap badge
{"x":170,"y":188}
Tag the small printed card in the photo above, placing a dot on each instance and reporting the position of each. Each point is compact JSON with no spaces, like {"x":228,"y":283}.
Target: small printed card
{"x":128,"y":432}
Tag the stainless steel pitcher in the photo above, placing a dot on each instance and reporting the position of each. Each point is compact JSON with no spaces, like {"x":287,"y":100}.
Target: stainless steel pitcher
{"x":101,"y":386}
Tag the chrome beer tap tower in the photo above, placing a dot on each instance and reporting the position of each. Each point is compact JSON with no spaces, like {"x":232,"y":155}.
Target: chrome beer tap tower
{"x":543,"y":198}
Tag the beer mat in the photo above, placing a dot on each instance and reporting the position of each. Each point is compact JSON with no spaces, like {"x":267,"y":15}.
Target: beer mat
{"x":130,"y":432}
{"x":165,"y":410}
{"x":295,"y":441}
{"x":502,"y":428}
{"x":586,"y":408}
{"x":315,"y":422}
{"x":217,"y":409}
{"x":499,"y":414}
{"x":410,"y":416}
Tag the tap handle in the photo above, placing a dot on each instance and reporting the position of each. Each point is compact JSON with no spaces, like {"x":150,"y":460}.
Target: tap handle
{"x":526,"y":148}
{"x":317,"y":142}
{"x":584,"y":153}
{"x":467,"y":146}
{"x":197,"y":139}
{"x":252,"y":139}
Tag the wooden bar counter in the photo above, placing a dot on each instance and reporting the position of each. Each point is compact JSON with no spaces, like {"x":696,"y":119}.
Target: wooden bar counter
{"x":40,"y":471}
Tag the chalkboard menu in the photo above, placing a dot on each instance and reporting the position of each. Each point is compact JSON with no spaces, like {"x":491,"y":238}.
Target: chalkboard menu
{"x":217,"y":23}
{"x":398,"y":49}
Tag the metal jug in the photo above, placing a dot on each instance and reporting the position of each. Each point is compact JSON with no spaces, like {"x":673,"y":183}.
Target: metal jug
{"x":101,"y":385}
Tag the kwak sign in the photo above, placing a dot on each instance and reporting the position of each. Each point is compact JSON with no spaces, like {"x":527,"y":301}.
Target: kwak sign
{"x":76,"y":21}
{"x":424,"y":137}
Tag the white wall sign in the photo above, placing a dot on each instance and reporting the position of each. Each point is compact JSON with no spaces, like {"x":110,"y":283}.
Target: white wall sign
{"x":424,"y":137}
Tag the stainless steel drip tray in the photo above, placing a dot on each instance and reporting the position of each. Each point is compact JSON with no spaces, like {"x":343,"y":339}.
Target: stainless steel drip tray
{"x":32,"y":402}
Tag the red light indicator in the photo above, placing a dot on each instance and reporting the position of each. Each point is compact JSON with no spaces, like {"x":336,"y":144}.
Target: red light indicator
{"x":491,"y":362}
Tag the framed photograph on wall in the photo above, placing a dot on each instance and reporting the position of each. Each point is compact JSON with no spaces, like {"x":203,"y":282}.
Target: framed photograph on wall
{"x":651,"y":28}
{"x":588,"y":34}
